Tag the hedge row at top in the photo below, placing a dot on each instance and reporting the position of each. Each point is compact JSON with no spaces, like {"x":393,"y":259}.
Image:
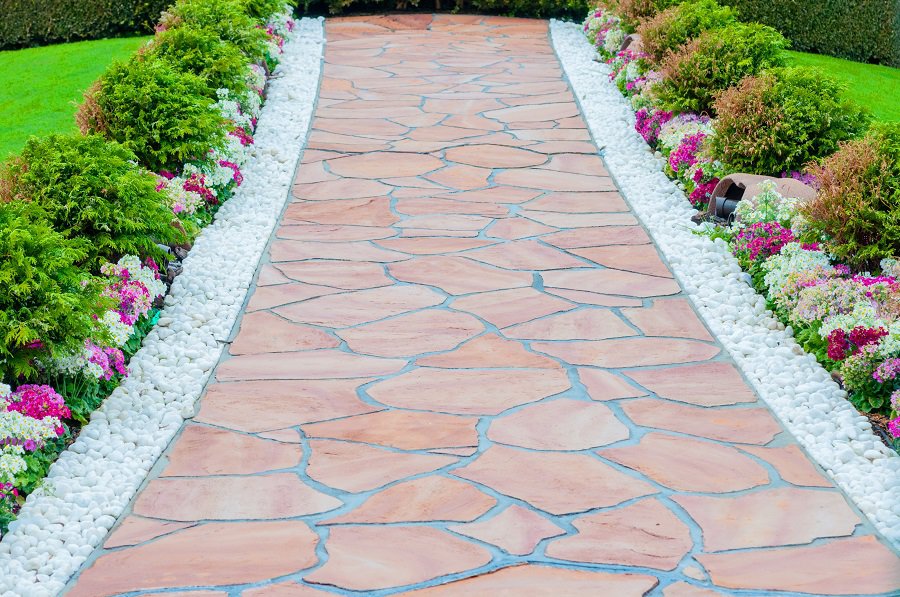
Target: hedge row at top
{"x":862,"y":30}
{"x":39,"y":22}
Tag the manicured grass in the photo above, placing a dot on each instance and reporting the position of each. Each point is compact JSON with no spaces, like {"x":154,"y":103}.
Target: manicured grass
{"x":42,"y":86}
{"x":871,"y":85}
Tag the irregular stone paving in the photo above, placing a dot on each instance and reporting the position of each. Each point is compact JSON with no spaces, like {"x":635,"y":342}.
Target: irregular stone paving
{"x":465,"y":370}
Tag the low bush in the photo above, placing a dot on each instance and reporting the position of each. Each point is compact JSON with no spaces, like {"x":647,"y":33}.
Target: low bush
{"x":858,"y":204}
{"x":782,"y":119}
{"x":162,"y":115}
{"x":89,"y":189}
{"x":675,"y":26}
{"x":519,"y":8}
{"x":634,"y":12}
{"x":49,"y":304}
{"x":230,"y":19}
{"x":202,"y":52}
{"x":716,"y":60}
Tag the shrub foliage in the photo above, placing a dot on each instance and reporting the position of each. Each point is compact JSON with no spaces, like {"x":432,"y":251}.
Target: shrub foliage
{"x":673,"y":27}
{"x":780,"y":120}
{"x":716,"y":60}
{"x":89,"y":189}
{"x":48,"y":302}
{"x":162,"y":115}
{"x":858,"y":204}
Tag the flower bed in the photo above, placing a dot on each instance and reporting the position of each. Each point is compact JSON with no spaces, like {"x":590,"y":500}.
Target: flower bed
{"x":827,"y":267}
{"x":95,"y":223}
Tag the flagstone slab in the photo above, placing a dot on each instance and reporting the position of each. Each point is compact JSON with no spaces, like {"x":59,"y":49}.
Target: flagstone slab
{"x":301,"y":250}
{"x":769,"y":518}
{"x":134,"y":530}
{"x":525,"y":255}
{"x":333,"y":273}
{"x":558,"y":483}
{"x":369,"y":558}
{"x":543,"y":581}
{"x":421,"y":500}
{"x":255,"y":406}
{"x":188,"y":499}
{"x":628,"y":352}
{"x":583,"y":203}
{"x":594,"y":298}
{"x":792,"y":464}
{"x":494,"y":156}
{"x":581,"y":324}
{"x":489,"y":350}
{"x":210,"y":554}
{"x":610,"y":281}
{"x":406,"y":430}
{"x":852,"y":566}
{"x":313,"y":364}
{"x":706,"y":384}
{"x":516,"y":530}
{"x":469,"y":391}
{"x":263,"y":332}
{"x":363,"y":306}
{"x":383,"y":165}
{"x":645,"y":533}
{"x":457,"y":275}
{"x":358,"y":212}
{"x":285,"y":589}
{"x":687,"y":464}
{"x":357,"y":467}
{"x":435,"y":245}
{"x":562,"y":424}
{"x":285,"y":294}
{"x":516,"y":228}
{"x":504,"y":308}
{"x":604,"y":385}
{"x":736,"y":425}
{"x":430,"y":330}
{"x":641,"y":259}
{"x":201,"y":451}
{"x":683,"y":589}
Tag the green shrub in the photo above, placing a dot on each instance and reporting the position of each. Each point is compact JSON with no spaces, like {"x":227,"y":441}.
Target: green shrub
{"x":261,"y":10}
{"x":858,"y":204}
{"x":202,"y":52}
{"x":48,"y":302}
{"x":716,"y":60}
{"x":573,"y":9}
{"x":635,"y":12}
{"x":157,"y":112}
{"x":228,"y":18}
{"x":40,"y":22}
{"x":675,"y":26}
{"x":90,"y":188}
{"x":782,"y":119}
{"x":862,"y":30}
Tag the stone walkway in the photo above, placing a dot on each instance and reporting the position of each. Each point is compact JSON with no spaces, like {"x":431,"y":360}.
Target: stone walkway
{"x":466,"y":365}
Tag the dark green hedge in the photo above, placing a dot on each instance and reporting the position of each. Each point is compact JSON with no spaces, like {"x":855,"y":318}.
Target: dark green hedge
{"x":862,"y":30}
{"x":574,"y":9}
{"x":38,"y":22}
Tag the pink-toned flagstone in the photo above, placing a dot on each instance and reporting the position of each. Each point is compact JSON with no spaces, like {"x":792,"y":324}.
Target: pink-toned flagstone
{"x":366,"y":558}
{"x":463,"y":353}
{"x":645,"y":533}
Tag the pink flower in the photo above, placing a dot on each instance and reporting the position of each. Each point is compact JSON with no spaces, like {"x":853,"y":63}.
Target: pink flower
{"x":39,"y":402}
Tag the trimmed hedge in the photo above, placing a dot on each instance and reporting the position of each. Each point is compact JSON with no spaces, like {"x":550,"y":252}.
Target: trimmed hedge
{"x":40,"y":22}
{"x":516,"y":8}
{"x":861,"y":30}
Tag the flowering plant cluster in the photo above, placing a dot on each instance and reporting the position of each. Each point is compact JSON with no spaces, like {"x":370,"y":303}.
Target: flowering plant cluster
{"x":65,"y":381}
{"x":849,"y":319}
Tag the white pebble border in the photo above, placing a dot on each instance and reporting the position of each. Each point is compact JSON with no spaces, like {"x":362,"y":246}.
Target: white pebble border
{"x":94,"y":480}
{"x":800,"y":392}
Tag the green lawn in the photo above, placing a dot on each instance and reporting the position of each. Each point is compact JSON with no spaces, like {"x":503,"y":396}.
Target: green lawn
{"x":874,"y":86}
{"x":42,"y":86}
